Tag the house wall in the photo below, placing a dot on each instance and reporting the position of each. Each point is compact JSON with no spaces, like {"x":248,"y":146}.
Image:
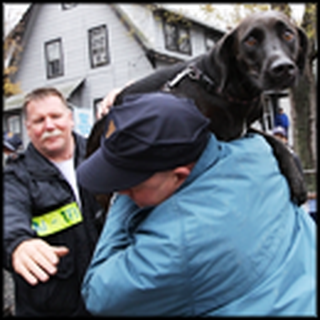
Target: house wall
{"x":49,"y":22}
{"x":153,"y":31}
{"x":126,"y":56}
{"x":128,"y":60}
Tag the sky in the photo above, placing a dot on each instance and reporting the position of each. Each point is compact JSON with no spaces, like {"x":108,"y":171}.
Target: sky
{"x":13,"y":11}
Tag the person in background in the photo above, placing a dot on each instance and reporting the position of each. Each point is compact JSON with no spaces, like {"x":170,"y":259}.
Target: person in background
{"x":196,"y":227}
{"x":281,"y":119}
{"x":49,"y":227}
{"x":280,"y":133}
{"x":11,"y":146}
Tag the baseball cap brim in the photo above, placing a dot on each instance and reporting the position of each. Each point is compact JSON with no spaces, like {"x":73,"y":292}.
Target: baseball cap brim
{"x":8,"y":146}
{"x":99,"y":176}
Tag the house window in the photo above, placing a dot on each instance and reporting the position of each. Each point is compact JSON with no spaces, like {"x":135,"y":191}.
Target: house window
{"x":53,"y":50}
{"x":67,"y":6}
{"x":96,"y":106}
{"x":14,"y":124}
{"x":267,"y":120}
{"x":210,"y":40}
{"x":98,"y":46}
{"x":177,"y":37}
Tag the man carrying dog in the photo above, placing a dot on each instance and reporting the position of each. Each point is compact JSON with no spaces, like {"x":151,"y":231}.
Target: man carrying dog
{"x":197,"y":227}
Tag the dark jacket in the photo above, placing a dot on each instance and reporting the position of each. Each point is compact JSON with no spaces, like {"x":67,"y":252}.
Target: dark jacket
{"x":33,"y":186}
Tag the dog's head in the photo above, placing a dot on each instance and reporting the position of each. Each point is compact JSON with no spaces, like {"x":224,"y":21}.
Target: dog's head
{"x":268,"y":48}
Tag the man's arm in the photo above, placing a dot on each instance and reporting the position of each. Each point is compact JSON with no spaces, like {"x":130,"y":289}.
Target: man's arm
{"x":24,"y":253}
{"x":135,"y":272}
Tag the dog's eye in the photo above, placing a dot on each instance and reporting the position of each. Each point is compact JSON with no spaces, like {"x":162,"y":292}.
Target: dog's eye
{"x":251,"y":41}
{"x":288,"y":36}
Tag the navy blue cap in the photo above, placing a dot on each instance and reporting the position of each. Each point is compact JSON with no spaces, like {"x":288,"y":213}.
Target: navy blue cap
{"x":11,"y":141}
{"x":147,"y":133}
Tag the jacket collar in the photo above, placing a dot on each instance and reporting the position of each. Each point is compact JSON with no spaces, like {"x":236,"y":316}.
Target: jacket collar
{"x":38,"y":165}
{"x":211,"y":154}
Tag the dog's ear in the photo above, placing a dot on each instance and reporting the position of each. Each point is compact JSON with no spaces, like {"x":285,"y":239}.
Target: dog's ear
{"x":225,"y":57}
{"x":303,"y":50}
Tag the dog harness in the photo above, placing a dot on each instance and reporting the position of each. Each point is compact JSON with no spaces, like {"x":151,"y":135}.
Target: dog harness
{"x":195,"y":74}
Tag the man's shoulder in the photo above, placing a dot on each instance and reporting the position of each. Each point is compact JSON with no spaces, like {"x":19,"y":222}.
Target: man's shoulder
{"x":16,"y":169}
{"x":15,"y":159}
{"x":81,"y":143}
{"x":250,"y":142}
{"x":19,"y":166}
{"x":80,"y":140}
{"x":250,"y":154}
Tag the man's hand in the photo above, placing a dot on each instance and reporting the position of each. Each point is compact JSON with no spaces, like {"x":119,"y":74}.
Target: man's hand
{"x":107,"y":102}
{"x":35,"y":260}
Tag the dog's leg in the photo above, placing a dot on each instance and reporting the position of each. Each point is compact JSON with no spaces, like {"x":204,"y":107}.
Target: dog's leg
{"x":288,"y":168}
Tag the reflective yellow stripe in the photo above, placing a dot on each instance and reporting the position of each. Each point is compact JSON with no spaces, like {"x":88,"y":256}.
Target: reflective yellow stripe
{"x":57,"y":220}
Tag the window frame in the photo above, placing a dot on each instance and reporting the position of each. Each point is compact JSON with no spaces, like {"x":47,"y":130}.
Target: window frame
{"x":96,"y":105}
{"x":68,"y":5}
{"x":16,"y":125}
{"x":103,"y":30}
{"x":210,"y":36}
{"x":174,"y":38}
{"x":51,"y":73}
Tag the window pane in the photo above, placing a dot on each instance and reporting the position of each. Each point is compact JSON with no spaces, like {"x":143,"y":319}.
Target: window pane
{"x":53,"y":51}
{"x":177,"y":38}
{"x":98,"y":46}
{"x":54,"y":67}
{"x":170,"y":32}
{"x":14,"y":124}
{"x":184,"y":40}
{"x":68,"y":5}
{"x":210,"y":40}
{"x":54,"y":58}
{"x":96,"y":107}
{"x":209,"y":43}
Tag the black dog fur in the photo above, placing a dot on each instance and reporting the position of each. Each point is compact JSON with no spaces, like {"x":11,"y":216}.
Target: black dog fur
{"x":265,"y":52}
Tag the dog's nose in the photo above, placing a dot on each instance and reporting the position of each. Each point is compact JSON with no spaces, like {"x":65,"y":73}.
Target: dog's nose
{"x":281,"y":68}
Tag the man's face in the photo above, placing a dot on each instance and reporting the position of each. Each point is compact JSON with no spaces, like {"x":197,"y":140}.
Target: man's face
{"x":156,"y":189}
{"x":49,"y":125}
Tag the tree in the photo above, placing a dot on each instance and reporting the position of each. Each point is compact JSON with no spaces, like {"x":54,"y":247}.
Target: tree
{"x":304,"y":103}
{"x":11,"y":50}
{"x":303,"y":98}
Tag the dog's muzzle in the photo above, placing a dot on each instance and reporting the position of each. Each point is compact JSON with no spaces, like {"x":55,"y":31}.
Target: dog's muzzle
{"x":281,"y":74}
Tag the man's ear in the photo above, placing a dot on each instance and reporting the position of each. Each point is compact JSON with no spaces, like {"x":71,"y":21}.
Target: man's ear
{"x":182,"y":173}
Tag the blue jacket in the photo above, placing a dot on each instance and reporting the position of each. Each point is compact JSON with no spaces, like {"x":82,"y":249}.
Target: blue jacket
{"x":282,"y":120}
{"x":228,"y":242}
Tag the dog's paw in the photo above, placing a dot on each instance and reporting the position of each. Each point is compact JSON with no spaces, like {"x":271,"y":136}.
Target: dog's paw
{"x":298,"y":189}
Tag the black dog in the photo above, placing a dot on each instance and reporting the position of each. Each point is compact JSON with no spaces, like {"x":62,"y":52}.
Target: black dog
{"x":265,"y":52}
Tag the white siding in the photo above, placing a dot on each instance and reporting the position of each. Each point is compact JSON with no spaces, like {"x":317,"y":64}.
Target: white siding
{"x":152,"y":29}
{"x":127,"y":59}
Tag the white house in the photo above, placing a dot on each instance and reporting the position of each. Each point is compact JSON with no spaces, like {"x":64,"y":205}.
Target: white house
{"x":85,"y":50}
